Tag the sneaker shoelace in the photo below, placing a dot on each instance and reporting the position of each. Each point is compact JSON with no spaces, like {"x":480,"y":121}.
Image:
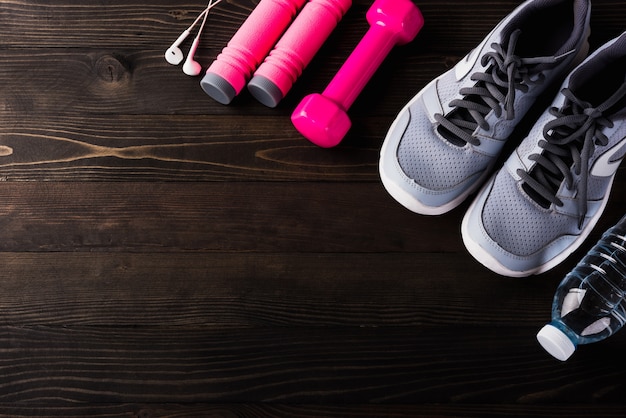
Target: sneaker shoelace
{"x":569,"y":142}
{"x":495,"y":90}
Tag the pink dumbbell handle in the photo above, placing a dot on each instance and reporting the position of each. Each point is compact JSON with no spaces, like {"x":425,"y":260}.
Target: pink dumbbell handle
{"x":361,"y":65}
{"x":253,"y":41}
{"x":297,"y":47}
{"x":323,"y":118}
{"x":359,"y":68}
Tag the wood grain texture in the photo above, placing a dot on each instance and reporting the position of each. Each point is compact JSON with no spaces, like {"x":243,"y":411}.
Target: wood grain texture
{"x":296,"y":365}
{"x":258,"y":290}
{"x":162,"y":255}
{"x":273,"y":410}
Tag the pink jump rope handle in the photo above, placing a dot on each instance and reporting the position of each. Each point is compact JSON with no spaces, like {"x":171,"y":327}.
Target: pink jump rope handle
{"x":322,"y":118}
{"x":295,"y":50}
{"x":231,"y":70}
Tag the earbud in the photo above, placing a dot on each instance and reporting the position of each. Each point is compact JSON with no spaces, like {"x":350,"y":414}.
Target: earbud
{"x":174,"y":55}
{"x":192,"y":67}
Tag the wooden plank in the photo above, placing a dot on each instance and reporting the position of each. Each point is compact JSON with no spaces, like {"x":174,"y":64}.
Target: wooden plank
{"x":181,"y":148}
{"x":275,"y":410}
{"x":65,"y":147}
{"x":124,"y":81}
{"x":46,"y":23}
{"x":170,"y":217}
{"x":324,"y":365}
{"x":260,"y":290}
{"x":68,"y":23}
{"x":235,"y":216}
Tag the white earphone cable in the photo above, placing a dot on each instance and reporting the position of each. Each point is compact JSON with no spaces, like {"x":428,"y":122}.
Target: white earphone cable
{"x":203,"y":15}
{"x":174,"y":55}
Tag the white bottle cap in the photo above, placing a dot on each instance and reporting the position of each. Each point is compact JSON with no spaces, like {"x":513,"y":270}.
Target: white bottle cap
{"x":555,"y":342}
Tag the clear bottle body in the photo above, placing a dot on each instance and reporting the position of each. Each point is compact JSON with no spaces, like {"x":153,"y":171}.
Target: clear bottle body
{"x":589,"y":304}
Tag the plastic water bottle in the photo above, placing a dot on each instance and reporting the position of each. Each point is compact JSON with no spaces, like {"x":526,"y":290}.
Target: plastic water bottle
{"x":589,"y":304}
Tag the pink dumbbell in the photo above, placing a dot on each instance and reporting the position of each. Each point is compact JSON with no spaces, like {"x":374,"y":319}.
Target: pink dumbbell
{"x":295,"y":50}
{"x":232,"y":69}
{"x":322,"y":118}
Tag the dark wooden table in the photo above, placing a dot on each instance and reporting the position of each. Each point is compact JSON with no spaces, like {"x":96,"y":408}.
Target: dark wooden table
{"x":165,"y":255}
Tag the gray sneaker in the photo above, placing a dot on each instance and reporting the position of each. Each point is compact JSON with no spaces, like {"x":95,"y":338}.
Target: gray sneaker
{"x":549,"y":194}
{"x":444,"y":143}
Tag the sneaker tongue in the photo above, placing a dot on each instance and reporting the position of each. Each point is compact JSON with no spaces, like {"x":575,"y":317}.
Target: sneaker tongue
{"x":598,"y":94}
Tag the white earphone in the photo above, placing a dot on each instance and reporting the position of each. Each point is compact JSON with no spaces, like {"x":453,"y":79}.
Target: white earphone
{"x":192,"y":67}
{"x":174,"y":55}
